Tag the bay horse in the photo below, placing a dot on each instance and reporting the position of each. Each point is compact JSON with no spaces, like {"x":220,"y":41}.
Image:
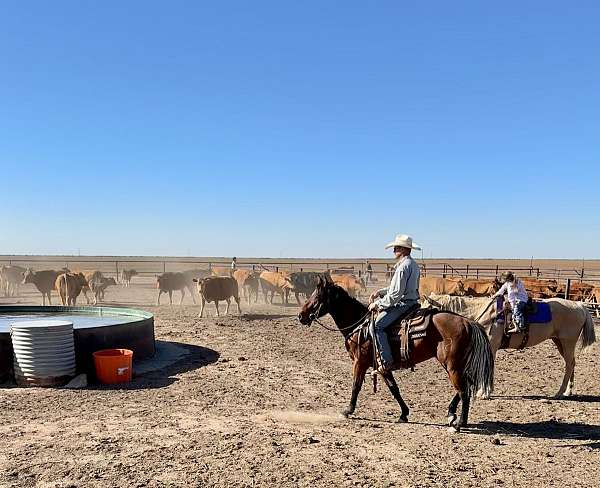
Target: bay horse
{"x":571,"y":322}
{"x":460,"y":346}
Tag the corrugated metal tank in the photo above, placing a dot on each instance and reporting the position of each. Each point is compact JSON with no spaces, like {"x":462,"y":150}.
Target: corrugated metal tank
{"x":44,"y":352}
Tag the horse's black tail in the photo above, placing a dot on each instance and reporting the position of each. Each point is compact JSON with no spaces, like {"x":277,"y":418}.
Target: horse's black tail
{"x":479,"y":367}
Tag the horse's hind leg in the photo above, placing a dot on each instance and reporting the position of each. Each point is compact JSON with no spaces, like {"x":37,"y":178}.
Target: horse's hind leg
{"x":567,"y":351}
{"x":390,"y":381}
{"x":452,"y":410}
{"x":464,"y":396}
{"x":359,"y":369}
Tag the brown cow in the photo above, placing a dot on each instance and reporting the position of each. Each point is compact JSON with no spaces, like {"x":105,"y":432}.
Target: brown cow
{"x":440,"y":286}
{"x":169,"y":282}
{"x":578,"y":292}
{"x":349,"y":282}
{"x":126,"y":275}
{"x":44,"y":281}
{"x":221,"y":271}
{"x":10,"y":279}
{"x":274,"y":282}
{"x":248,"y":282}
{"x":540,"y":288}
{"x":480,"y":288}
{"x":97,"y":284}
{"x":94,"y":276}
{"x":192,"y":275}
{"x":69,"y":286}
{"x":217,"y":288}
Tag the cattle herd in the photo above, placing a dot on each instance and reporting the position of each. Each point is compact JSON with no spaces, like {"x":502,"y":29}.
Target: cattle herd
{"x":222,"y":284}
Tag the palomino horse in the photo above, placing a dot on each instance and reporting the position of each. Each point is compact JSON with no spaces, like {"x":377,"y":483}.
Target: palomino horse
{"x":571,"y":322}
{"x":458,"y":344}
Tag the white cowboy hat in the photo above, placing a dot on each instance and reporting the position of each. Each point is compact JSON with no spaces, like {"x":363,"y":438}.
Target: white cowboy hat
{"x":403,"y":240}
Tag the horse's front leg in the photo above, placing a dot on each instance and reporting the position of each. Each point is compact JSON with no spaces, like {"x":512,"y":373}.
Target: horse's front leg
{"x":390,"y":381}
{"x":359,"y":369}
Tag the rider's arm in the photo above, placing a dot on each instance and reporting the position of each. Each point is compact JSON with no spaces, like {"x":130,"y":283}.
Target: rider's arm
{"x":396,"y":289}
{"x":503,"y":289}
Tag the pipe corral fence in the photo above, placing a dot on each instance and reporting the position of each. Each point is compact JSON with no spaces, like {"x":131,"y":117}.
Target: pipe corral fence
{"x":382,"y":269}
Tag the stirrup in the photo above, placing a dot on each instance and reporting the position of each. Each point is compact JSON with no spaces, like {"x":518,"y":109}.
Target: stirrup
{"x":513,"y":330}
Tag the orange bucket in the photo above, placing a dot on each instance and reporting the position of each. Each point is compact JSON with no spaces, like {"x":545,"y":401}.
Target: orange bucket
{"x":113,"y":365}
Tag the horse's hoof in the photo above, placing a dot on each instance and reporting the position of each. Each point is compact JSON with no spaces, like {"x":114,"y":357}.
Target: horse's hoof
{"x":403,"y":419}
{"x":451,"y":419}
{"x":347,"y":412}
{"x":454,"y":430}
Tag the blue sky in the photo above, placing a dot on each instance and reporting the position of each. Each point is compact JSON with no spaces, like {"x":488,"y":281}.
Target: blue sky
{"x":300,"y":129}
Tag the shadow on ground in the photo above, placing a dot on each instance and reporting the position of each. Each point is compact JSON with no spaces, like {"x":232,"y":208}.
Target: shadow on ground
{"x":249,"y":317}
{"x":195,"y":357}
{"x":542,"y":430}
{"x":573,"y":398}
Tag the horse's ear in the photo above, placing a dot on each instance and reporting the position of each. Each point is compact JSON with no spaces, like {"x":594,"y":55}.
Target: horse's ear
{"x":327,"y":277}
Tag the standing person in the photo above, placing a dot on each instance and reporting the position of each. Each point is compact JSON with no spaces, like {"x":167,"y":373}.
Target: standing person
{"x":233,"y":266}
{"x":393,"y":302}
{"x":517,"y":297}
{"x":369,"y":273}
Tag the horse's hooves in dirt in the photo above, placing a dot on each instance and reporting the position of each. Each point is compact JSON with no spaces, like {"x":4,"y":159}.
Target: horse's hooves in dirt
{"x":454,"y":429}
{"x":451,"y":419}
{"x":347,"y":412}
{"x":403,"y":419}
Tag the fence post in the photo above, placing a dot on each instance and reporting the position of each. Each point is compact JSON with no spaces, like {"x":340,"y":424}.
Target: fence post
{"x":538,"y":273}
{"x":117,"y":269}
{"x":477,"y":273}
{"x":467,"y":275}
{"x":164,"y":267}
{"x":581,"y":274}
{"x":277,"y":269}
{"x":496,"y":271}
{"x":567,"y":288}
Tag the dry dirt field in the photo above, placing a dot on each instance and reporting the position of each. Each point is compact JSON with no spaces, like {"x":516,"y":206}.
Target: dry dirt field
{"x":257,"y":402}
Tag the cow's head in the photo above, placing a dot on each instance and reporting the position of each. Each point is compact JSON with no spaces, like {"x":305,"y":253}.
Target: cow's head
{"x":317,"y":304}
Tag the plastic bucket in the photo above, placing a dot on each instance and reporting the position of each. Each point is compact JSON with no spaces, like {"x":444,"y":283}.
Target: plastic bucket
{"x":113,"y":365}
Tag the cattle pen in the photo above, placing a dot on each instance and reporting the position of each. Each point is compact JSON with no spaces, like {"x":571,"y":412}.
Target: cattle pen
{"x":550,"y":269}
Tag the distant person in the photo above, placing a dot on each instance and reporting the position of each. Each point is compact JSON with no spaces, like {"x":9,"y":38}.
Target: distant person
{"x":369,"y":272}
{"x":517,"y":297}
{"x":395,"y":301}
{"x":233,"y":265}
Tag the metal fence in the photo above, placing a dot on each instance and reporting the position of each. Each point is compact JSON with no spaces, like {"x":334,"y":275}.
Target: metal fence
{"x":381,"y":269}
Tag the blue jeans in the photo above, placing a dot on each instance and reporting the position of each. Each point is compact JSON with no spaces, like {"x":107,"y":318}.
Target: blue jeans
{"x":519,"y":314}
{"x":384,"y":320}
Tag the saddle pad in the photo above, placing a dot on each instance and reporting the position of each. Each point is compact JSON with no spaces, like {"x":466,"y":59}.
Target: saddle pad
{"x":542,"y":314}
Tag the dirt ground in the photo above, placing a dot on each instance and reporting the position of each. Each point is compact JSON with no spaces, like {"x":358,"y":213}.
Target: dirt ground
{"x":257,"y":402}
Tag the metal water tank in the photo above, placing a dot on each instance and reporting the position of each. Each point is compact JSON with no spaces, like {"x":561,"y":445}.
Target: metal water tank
{"x":44,"y":352}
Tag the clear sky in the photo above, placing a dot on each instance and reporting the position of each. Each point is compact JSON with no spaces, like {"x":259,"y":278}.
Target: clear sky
{"x":300,"y":129}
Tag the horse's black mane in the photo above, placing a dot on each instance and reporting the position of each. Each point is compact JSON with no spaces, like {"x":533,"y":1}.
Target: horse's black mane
{"x":354,"y":308}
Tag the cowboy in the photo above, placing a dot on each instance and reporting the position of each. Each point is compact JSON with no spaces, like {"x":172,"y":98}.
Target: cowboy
{"x":517,"y":297}
{"x":233,"y":264}
{"x":393,"y":302}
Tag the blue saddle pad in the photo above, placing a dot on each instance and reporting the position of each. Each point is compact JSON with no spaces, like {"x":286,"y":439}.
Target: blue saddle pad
{"x":542,"y":314}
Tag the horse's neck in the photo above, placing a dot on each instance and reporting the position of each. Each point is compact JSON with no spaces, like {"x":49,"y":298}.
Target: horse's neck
{"x":347,"y":312}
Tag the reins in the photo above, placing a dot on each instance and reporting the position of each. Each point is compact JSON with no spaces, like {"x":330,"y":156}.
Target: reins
{"x":485,"y":310}
{"x":351,"y":327}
